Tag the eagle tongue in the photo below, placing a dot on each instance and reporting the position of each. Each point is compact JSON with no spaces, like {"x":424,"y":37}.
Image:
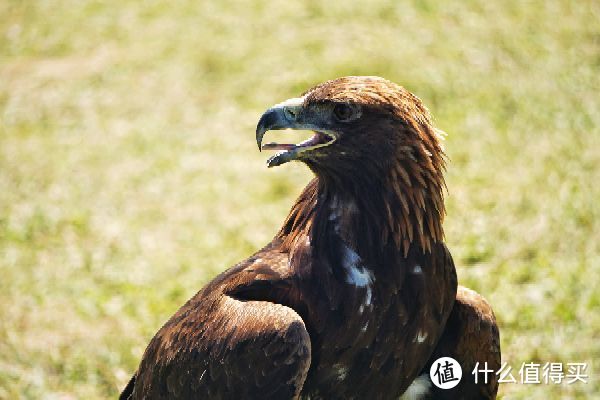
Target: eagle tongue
{"x":289,"y":152}
{"x":278,"y":146}
{"x":317,"y":138}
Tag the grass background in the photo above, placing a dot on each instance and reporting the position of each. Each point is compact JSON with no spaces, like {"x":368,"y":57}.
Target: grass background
{"x":129,"y":175}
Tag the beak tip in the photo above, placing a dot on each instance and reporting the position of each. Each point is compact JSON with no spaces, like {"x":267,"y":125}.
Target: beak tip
{"x":259,"y":137}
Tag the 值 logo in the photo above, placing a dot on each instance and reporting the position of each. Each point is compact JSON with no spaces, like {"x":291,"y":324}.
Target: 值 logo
{"x":445,"y":372}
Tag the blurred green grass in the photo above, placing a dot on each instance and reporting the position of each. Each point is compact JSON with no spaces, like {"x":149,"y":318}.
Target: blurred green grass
{"x":129,"y":174}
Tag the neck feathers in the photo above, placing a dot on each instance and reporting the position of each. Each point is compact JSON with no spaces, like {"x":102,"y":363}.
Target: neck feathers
{"x":403,"y":208}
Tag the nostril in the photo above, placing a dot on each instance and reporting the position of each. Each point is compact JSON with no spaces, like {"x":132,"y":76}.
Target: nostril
{"x":290,"y":113}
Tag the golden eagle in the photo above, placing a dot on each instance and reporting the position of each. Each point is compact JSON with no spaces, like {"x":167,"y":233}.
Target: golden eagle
{"x":357,"y":293}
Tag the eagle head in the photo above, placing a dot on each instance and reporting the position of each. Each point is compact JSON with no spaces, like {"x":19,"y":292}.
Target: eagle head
{"x":360,"y":123}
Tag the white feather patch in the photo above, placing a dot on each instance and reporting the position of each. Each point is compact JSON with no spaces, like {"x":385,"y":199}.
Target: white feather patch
{"x":418,"y":389}
{"x":358,"y":275}
{"x":420,"y":337}
{"x":340,"y":371}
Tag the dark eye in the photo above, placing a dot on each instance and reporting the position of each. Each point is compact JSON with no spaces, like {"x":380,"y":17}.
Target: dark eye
{"x":343,"y":112}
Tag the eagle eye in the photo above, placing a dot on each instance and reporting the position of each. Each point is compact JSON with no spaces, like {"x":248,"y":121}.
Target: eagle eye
{"x":344,"y":112}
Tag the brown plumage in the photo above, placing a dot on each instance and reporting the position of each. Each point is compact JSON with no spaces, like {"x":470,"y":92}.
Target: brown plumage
{"x":471,"y":336}
{"x":351,"y":298}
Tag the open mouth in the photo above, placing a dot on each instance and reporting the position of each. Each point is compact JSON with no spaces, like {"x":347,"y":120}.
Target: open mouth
{"x":291,"y":151}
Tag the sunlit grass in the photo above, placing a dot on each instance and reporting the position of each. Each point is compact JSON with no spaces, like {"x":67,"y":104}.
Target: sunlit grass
{"x":129,"y":175}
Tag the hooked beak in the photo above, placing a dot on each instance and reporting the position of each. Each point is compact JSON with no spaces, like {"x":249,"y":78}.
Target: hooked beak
{"x":291,"y":115}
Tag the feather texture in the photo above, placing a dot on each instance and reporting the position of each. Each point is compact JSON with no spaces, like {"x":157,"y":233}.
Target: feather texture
{"x":351,"y":298}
